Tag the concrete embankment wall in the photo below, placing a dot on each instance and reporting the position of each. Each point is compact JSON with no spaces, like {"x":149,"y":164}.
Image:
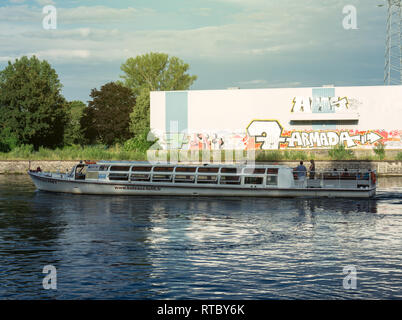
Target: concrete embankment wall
{"x":386,"y":168}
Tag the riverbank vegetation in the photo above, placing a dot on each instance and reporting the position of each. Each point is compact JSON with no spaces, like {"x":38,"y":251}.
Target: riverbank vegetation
{"x":37,"y":122}
{"x":138,"y":152}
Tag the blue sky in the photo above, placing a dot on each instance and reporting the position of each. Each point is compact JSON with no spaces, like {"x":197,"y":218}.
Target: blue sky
{"x":228,"y":43}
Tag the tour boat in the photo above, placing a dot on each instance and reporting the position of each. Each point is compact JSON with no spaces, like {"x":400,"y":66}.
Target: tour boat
{"x":143,"y":178}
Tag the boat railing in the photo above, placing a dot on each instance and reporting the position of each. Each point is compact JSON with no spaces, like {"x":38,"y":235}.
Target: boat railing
{"x":335,"y":179}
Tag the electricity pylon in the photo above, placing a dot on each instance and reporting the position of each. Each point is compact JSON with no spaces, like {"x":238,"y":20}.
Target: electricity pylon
{"x":393,"y":45}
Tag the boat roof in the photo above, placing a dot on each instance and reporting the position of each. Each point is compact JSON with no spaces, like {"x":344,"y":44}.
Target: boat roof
{"x":146,"y":163}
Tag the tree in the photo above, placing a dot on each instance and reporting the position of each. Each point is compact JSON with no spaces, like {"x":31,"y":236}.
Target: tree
{"x":152,"y":72}
{"x":107,"y":117}
{"x":31,"y":103}
{"x":73,"y":132}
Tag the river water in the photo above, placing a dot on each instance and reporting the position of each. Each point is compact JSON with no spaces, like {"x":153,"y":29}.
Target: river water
{"x":121,"y":247}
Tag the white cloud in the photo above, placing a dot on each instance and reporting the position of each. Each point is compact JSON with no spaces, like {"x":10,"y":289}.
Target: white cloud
{"x":45,"y":2}
{"x":60,"y":54}
{"x":269,"y":32}
{"x":77,"y":15}
{"x":100,"y":14}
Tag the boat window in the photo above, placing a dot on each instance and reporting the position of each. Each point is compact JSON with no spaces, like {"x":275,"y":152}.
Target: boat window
{"x":207,"y":179}
{"x":143,"y":169}
{"x":184,"y":179}
{"x":272,"y":171}
{"x":208,"y":170}
{"x":272,"y":180}
{"x":229,"y":170}
{"x":93,"y":168}
{"x":103,"y":168}
{"x":253,"y":180}
{"x":254,"y":170}
{"x":120,"y":168}
{"x":230,"y":179}
{"x":140,"y":177}
{"x":118,"y":176}
{"x":92,"y":175}
{"x":162,"y":178}
{"x":186,"y":169}
{"x":80,"y":172}
{"x":163,"y":169}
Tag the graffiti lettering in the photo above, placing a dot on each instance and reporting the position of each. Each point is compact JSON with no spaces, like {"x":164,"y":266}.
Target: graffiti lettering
{"x":320,"y":104}
{"x":269,"y":135}
{"x":316,"y":139}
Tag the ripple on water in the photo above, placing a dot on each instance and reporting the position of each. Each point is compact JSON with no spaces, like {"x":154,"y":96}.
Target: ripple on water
{"x":198,"y":248}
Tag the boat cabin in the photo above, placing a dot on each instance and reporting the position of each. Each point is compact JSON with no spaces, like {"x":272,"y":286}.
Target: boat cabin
{"x":229,"y":175}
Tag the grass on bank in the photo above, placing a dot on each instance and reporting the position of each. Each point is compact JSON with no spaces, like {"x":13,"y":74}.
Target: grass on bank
{"x":99,"y":152}
{"x":119,"y":152}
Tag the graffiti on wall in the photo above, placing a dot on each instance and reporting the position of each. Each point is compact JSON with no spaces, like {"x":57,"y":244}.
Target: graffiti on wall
{"x":270,"y":135}
{"x":308,"y":104}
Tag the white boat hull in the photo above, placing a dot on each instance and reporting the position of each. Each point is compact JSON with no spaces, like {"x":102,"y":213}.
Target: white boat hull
{"x":54,"y":184}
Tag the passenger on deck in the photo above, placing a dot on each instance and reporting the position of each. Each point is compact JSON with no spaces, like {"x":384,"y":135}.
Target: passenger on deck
{"x":312,"y":169}
{"x":366,"y":175}
{"x":345,"y":173}
{"x":301,"y":172}
{"x":373,"y":177}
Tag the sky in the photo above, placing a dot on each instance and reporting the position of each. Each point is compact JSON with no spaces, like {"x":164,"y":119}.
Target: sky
{"x":227,"y":43}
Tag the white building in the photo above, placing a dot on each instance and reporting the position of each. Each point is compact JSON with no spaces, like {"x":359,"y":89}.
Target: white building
{"x":358,"y":117}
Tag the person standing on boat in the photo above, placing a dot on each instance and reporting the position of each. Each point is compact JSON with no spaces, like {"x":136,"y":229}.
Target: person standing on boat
{"x":301,"y":172}
{"x":312,"y":169}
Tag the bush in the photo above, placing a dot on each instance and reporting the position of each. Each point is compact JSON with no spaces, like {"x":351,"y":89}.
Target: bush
{"x":296,"y":155}
{"x":399,"y":156}
{"x":140,"y":142}
{"x":339,"y":152}
{"x":273,"y":155}
{"x":8,"y":140}
{"x":24,"y":151}
{"x":379,"y":150}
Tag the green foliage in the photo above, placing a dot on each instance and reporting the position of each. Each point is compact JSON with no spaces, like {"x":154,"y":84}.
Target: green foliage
{"x":276,"y":155}
{"x":107,"y":117}
{"x":140,"y":117}
{"x":141,"y":142}
{"x":31,"y":104}
{"x":379,"y":150}
{"x":156,"y":71}
{"x":399,"y":156}
{"x":74,"y":152}
{"x":339,"y":152}
{"x":8,"y":140}
{"x":152,"y":72}
{"x":23,"y":151}
{"x":296,"y":155}
{"x":273,"y":155}
{"x":73,"y":133}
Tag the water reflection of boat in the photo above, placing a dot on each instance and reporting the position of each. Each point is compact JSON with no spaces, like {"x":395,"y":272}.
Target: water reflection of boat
{"x":138,"y":178}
